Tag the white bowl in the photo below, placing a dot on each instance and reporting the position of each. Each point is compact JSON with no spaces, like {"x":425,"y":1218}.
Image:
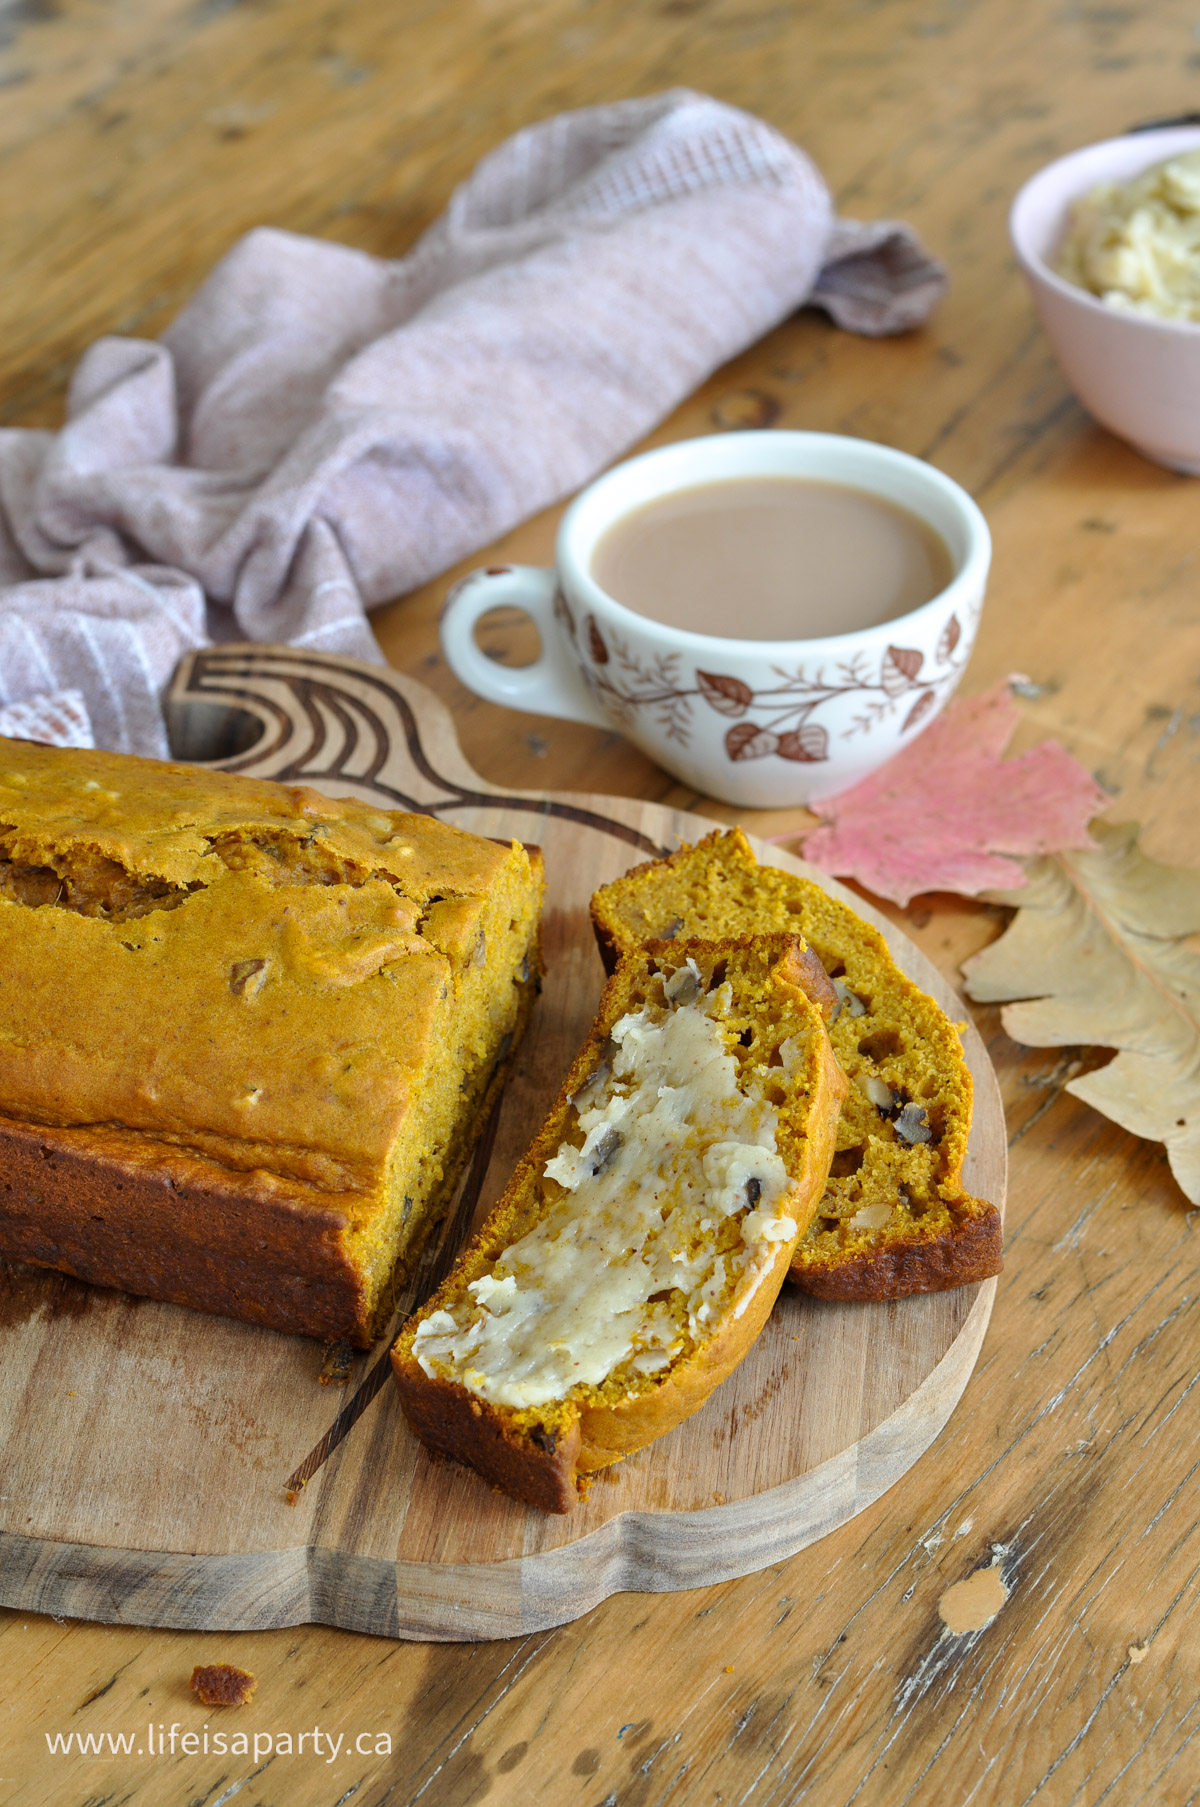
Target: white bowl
{"x":1139,"y":376}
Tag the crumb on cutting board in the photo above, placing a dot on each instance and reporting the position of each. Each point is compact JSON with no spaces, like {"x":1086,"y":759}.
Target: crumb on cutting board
{"x":337,"y":1366}
{"x":222,"y":1684}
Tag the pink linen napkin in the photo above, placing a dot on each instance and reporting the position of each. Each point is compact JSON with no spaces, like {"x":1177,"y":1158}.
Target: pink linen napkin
{"x":319,"y":430}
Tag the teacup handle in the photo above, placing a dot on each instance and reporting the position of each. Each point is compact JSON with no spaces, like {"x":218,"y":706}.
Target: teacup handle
{"x":553,"y":684}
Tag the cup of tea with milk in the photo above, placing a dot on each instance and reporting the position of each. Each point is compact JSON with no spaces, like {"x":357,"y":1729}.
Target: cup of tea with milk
{"x":770,"y":616}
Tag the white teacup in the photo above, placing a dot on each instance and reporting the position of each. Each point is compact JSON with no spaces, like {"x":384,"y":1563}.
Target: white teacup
{"x":761,"y":723}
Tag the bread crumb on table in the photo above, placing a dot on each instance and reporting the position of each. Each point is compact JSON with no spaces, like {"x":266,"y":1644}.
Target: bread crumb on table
{"x":222,"y":1684}
{"x":337,"y":1365}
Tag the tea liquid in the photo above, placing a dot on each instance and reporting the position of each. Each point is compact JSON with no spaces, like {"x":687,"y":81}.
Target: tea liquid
{"x":771,"y":558}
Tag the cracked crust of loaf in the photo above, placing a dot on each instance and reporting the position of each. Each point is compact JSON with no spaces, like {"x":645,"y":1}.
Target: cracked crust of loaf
{"x":248,"y":1033}
{"x":540,"y":1454}
{"x":935,"y":1236}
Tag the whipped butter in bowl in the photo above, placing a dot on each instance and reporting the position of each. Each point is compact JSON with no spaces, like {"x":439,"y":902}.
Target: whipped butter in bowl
{"x":1109,"y":239}
{"x":1137,"y":244}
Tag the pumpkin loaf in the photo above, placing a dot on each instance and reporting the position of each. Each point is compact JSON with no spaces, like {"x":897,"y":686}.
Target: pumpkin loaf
{"x":247,"y":1032}
{"x":641,"y":1242}
{"x":895,"y":1219}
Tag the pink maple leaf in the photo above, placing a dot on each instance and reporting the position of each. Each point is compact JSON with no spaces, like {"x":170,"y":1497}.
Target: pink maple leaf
{"x":942,"y":813}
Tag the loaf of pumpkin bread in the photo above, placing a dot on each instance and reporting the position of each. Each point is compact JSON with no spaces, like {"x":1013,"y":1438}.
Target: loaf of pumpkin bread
{"x":247,"y":1032}
{"x":895,"y":1218}
{"x":642,"y":1241}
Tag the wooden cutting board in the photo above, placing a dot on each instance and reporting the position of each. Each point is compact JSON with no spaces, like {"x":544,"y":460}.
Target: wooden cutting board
{"x":160,"y":1467}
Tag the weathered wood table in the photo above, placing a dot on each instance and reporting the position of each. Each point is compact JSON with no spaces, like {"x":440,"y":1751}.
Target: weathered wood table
{"x":136,"y":142}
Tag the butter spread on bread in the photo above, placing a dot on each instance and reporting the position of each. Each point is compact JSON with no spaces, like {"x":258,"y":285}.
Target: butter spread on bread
{"x":642,"y":1241}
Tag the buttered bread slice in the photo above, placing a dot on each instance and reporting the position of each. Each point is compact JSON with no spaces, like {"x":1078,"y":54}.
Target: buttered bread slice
{"x":895,"y":1219}
{"x":641,"y":1243}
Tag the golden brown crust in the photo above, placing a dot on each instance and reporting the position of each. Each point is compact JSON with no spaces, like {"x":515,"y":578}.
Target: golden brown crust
{"x":811,"y":976}
{"x":538,"y":1467}
{"x":171,"y":1226}
{"x":539,"y":1462}
{"x":115,"y":1208}
{"x":914,"y":1263}
{"x":226,"y":940}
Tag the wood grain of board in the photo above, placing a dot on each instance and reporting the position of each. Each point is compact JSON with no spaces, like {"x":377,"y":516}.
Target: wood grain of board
{"x":215,"y":1515}
{"x":136,"y":142}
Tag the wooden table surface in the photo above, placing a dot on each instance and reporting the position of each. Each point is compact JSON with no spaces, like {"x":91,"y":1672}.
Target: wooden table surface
{"x":137,"y":140}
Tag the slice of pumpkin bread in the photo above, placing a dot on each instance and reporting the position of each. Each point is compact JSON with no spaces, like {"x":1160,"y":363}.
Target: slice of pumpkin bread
{"x":639,"y":1247}
{"x":894,"y":1219}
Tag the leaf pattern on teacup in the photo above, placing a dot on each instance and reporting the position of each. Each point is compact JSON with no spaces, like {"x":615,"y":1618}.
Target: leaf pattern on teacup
{"x":749,"y":742}
{"x":919,"y":710}
{"x":806,"y":745}
{"x":950,"y":636}
{"x":728,"y":696}
{"x":596,"y":644}
{"x":562,"y":610}
{"x":901,"y":666}
{"x":784,"y":727}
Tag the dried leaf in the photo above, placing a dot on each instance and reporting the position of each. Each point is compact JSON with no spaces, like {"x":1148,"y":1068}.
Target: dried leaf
{"x":1099,"y":952}
{"x":748,"y":742}
{"x":729,"y":696}
{"x":939,"y":816}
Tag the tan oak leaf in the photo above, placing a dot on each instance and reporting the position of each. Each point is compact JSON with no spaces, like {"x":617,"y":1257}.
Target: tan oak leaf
{"x":1105,"y":949}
